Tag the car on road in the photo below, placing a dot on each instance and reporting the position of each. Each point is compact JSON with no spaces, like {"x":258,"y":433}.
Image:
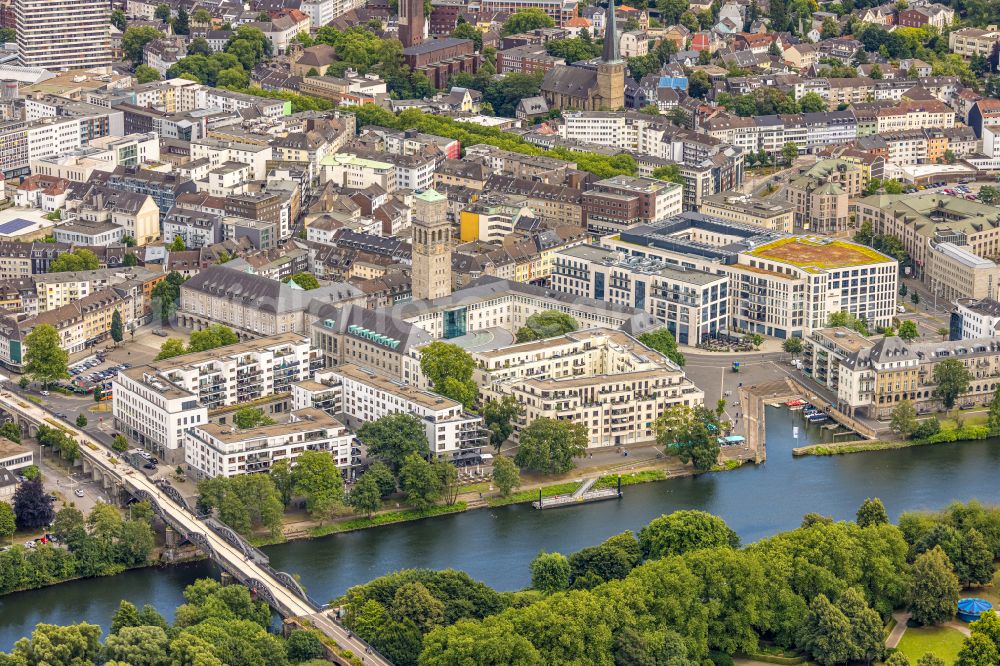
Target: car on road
{"x":78,"y":492}
{"x":61,"y":415}
{"x":44,"y":392}
{"x":160,"y":332}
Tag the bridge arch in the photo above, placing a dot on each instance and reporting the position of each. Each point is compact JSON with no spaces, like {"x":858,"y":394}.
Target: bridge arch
{"x":288,"y":581}
{"x":262,"y":591}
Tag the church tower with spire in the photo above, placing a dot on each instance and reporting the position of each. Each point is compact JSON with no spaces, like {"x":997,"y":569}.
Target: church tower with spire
{"x":611,"y":69}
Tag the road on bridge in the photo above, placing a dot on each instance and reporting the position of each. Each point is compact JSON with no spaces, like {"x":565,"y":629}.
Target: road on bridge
{"x":230,"y":557}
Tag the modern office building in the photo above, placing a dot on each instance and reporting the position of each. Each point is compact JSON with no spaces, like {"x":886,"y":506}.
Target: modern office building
{"x":64,"y":34}
{"x":779,"y":285}
{"x":692,"y":304}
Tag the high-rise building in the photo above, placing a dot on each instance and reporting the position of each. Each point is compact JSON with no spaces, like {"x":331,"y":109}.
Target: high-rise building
{"x":64,"y":34}
{"x":431,"y":245}
{"x":411,"y":22}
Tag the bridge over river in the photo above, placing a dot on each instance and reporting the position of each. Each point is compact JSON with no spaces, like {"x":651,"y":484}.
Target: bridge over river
{"x":226,"y":548}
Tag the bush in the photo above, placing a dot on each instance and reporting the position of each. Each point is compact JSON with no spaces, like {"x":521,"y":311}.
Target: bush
{"x":721,"y":659}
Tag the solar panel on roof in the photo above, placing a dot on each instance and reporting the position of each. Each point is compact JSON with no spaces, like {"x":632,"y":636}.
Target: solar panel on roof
{"x":15,"y":225}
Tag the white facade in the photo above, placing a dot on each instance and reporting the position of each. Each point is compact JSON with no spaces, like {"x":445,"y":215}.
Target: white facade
{"x":219,"y":152}
{"x":64,"y":34}
{"x":367,"y":396}
{"x":979,"y":318}
{"x":155,"y":403}
{"x":214,"y":450}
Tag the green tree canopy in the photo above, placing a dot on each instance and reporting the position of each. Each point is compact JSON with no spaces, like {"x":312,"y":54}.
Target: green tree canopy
{"x":80,"y":259}
{"x":935,"y":588}
{"x":45,"y":360}
{"x":951,"y":379}
{"x":872,"y":512}
{"x":546,"y":324}
{"x":393,"y":437}
{"x":449,"y":369}
{"x":527,"y":20}
{"x":548,"y":446}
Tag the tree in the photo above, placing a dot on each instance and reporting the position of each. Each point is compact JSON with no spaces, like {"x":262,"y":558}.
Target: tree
{"x":892,"y":186}
{"x":826,"y":632}
{"x":699,"y":84}
{"x":790,"y":151}
{"x":663,"y":341}
{"x":162,"y":12}
{"x":904,"y":418}
{"x":992,"y":420}
{"x":792,"y":345}
{"x":449,"y":369}
{"x":929,"y":659}
{"x":684,"y":531}
{"x":146,"y":74}
{"x":872,"y":512}
{"x":908,"y":330}
{"x":306,"y":281}
{"x":8,"y":521}
{"x":976,"y":557}
{"x":284,"y":481}
{"x":498,"y":417}
{"x":11,"y":431}
{"x":33,"y":506}
{"x":247,"y":418}
{"x":897,"y":659}
{"x":119,"y":443}
{"x":213,"y":337}
{"x":988,"y":194}
{"x":848,"y":320}
{"x":44,"y":358}
{"x":181,"y":23}
{"x":53,"y":645}
{"x":393,"y":437}
{"x":465,"y":30}
{"x":177,"y":244}
{"x":81,"y":421}
{"x":414,"y":602}
{"x":548,"y":446}
{"x":304,"y":645}
{"x":527,"y":20}
{"x":670,"y":173}
{"x":383,"y":478}
{"x":867,"y":636}
{"x":812,"y":102}
{"x":546,"y":324}
{"x":117,"y":329}
{"x":130,"y":260}
{"x":199,"y":46}
{"x":170,"y":348}
{"x":77,"y":260}
{"x":506,"y":476}
{"x":550,"y":572}
{"x":244,"y":502}
{"x":365,"y":496}
{"x":951,"y":379}
{"x":231,"y":77}
{"x":692,"y":434}
{"x":134,"y":40}
{"x":118,"y":19}
{"x":978,"y":650}
{"x":420,"y":482}
{"x":915,"y":298}
{"x":934,"y":590}
{"x":317,"y":478}
{"x":202,"y":17}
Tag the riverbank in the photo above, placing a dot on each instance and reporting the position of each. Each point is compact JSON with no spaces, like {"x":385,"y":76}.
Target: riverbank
{"x":951,"y":436}
{"x":469,"y":502}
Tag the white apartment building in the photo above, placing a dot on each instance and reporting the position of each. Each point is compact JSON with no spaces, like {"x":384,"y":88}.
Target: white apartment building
{"x":692,"y":304}
{"x":602,"y":378}
{"x":63,"y":34}
{"x":366,"y":395}
{"x":351,"y":171}
{"x":219,"y":152}
{"x":973,"y":319}
{"x":214,"y":450}
{"x":154,"y":404}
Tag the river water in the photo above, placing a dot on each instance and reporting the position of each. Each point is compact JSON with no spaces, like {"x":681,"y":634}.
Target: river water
{"x":496,"y":545}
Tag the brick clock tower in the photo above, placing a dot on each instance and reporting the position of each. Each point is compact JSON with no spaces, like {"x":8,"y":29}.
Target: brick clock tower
{"x":431,"y":245}
{"x":411,"y":22}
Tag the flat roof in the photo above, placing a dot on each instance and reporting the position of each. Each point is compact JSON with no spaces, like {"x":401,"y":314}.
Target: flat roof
{"x":845,"y":337}
{"x":395,"y":387}
{"x":815,"y":253}
{"x":309,"y":418}
{"x":9,"y":449}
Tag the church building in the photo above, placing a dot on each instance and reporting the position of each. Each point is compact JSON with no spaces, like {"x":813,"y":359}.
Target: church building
{"x":584,"y":88}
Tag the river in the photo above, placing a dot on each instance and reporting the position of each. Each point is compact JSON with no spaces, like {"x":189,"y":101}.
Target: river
{"x":496,"y":545}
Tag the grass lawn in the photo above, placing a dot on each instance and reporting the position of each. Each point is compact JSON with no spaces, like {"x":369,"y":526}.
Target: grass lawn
{"x":942,"y":641}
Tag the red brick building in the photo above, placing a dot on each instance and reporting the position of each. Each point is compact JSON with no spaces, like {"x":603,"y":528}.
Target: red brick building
{"x":526,"y":60}
{"x":440,"y":59}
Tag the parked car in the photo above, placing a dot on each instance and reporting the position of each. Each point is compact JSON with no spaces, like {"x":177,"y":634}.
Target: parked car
{"x":78,"y":492}
{"x":160,"y":332}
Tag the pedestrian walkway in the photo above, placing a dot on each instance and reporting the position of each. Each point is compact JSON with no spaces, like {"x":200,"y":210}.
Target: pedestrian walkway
{"x":584,"y":487}
{"x":896,"y":635}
